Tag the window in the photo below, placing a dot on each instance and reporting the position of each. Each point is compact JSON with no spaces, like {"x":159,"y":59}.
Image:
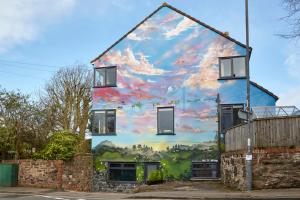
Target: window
{"x":122,"y":172}
{"x":233,"y":67}
{"x":229,"y":116}
{"x":205,"y":169}
{"x":105,"y":77}
{"x":104,"y":122}
{"x":165,"y":121}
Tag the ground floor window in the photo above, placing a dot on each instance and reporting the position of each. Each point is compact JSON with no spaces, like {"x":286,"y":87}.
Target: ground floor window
{"x":205,"y":169}
{"x":122,"y":171}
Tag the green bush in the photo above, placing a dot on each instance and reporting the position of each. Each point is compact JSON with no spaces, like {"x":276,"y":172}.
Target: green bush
{"x":156,"y":176}
{"x":140,"y":173}
{"x":61,"y":146}
{"x":99,"y":164}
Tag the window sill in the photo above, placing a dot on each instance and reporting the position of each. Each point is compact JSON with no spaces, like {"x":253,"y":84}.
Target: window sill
{"x":165,"y":134}
{"x":108,"y":134}
{"x":231,"y":78}
{"x":105,"y":86}
{"x":122,"y":182}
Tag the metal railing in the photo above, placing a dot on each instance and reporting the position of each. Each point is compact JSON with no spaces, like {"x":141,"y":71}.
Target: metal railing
{"x":275,"y":111}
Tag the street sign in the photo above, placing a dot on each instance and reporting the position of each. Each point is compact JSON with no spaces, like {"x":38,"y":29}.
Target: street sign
{"x":249,"y":157}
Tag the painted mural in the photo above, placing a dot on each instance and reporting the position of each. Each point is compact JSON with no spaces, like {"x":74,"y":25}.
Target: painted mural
{"x":169,"y":59}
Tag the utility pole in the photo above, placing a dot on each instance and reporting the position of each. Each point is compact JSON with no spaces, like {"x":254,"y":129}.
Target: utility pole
{"x":248,"y":109}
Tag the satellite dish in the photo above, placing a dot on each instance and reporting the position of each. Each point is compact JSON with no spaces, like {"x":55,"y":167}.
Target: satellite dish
{"x":243,"y":115}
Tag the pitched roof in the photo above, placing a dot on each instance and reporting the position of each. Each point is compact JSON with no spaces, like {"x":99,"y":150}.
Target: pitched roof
{"x":180,"y":12}
{"x":265,"y":90}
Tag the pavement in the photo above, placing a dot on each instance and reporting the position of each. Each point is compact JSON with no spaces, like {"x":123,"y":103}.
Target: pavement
{"x":26,"y":193}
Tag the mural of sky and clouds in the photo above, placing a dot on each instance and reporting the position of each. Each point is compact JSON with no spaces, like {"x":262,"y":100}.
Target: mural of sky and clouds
{"x":168,"y":60}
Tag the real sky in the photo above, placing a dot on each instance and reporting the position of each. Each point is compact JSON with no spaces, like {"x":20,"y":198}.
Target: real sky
{"x":55,"y":33}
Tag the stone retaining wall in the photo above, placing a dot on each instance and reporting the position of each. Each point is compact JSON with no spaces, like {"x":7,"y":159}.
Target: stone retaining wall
{"x":72,"y":175}
{"x":101,"y":183}
{"x":77,"y":175}
{"x":276,"y":167}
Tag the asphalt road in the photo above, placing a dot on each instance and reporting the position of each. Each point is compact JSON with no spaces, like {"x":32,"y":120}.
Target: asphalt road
{"x":27,"y":193}
{"x":11,"y":196}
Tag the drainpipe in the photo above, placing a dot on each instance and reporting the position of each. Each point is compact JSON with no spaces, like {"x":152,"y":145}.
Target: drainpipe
{"x":219,"y":135}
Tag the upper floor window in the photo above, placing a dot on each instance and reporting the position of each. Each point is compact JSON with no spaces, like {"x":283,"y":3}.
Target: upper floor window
{"x":165,"y":121}
{"x":104,"y":122}
{"x":233,"y":67}
{"x":105,"y":77}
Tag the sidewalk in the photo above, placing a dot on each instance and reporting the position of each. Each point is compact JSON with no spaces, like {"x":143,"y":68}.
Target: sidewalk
{"x":262,"y":194}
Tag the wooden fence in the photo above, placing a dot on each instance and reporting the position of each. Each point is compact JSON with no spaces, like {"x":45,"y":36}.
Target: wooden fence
{"x":267,"y":132}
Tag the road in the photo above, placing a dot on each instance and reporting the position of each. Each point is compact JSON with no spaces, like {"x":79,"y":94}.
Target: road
{"x":50,"y":196}
{"x":12,"y":196}
{"x":26,"y":193}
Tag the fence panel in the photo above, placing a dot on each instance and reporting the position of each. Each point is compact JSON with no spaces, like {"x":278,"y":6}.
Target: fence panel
{"x":267,"y":132}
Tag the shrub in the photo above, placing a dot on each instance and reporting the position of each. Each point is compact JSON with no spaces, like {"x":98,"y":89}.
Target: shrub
{"x":99,"y":164}
{"x":140,"y":173}
{"x":155,"y":177}
{"x":61,"y":146}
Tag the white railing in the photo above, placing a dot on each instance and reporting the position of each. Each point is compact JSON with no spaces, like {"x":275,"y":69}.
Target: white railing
{"x":274,"y":111}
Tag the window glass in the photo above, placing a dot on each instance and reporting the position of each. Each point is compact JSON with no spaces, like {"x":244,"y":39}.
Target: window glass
{"x":111,"y":76}
{"x":229,"y":116}
{"x":105,"y":77}
{"x":225,"y":67}
{"x":104,"y":122}
{"x":115,"y":165}
{"x":99,"y":77}
{"x":122,"y":172}
{"x":99,"y":123}
{"x":165,"y":121}
{"x":111,"y":121}
{"x":239,"y":67}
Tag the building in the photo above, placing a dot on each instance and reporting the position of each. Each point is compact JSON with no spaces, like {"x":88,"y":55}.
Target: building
{"x":156,"y":96}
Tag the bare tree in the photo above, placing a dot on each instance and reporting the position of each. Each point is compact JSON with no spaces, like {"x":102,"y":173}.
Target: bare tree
{"x":292,"y":18}
{"x":68,"y":98}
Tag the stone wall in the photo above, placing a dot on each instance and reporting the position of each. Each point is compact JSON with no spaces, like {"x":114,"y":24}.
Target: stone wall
{"x":40,"y":173}
{"x":101,"y":183}
{"x":233,"y":167}
{"x":77,"y":174}
{"x":276,"y":167}
{"x":72,"y":175}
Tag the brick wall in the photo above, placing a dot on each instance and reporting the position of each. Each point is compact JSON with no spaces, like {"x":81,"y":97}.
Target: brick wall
{"x":276,"y":167}
{"x":72,"y":175}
